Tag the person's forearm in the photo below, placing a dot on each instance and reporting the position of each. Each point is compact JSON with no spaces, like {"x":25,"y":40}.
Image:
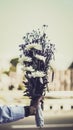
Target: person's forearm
{"x":11,"y":113}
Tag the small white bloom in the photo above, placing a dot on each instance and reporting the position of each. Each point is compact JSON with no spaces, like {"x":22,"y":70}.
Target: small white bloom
{"x":40,"y":57}
{"x":29,"y":75}
{"x":25,"y":58}
{"x":30,"y":68}
{"x":38,"y":74}
{"x":34,"y":45}
{"x":21,"y":61}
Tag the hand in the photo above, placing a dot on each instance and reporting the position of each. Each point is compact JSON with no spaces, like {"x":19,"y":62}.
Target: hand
{"x":35,"y":102}
{"x":32,"y":110}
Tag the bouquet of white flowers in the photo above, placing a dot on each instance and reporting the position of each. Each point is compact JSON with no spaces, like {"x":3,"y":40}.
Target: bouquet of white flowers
{"x":37,"y":52}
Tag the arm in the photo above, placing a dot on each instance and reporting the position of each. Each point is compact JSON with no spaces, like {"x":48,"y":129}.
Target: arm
{"x":14,"y":113}
{"x":11,"y":113}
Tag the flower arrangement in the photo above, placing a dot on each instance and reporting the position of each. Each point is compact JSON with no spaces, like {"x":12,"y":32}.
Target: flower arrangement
{"x":37,"y":52}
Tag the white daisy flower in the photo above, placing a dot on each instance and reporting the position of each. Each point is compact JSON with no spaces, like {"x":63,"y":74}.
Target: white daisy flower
{"x":30,"y":68}
{"x":38,"y":74}
{"x":34,"y":45}
{"x":25,"y":58}
{"x":21,"y":61}
{"x":40,"y":57}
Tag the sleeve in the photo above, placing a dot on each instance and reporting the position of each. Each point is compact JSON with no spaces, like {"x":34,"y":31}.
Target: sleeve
{"x":11,"y":113}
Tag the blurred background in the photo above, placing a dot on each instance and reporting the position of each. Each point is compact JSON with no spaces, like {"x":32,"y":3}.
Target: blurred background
{"x":17,"y":17}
